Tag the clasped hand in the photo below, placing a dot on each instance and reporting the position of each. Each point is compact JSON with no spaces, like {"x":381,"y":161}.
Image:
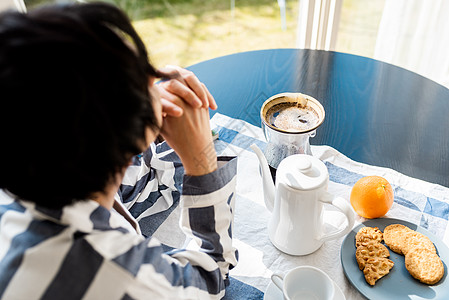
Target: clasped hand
{"x":185,"y":105}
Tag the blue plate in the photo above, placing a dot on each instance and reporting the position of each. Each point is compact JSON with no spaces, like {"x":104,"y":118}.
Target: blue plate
{"x":398,"y":284}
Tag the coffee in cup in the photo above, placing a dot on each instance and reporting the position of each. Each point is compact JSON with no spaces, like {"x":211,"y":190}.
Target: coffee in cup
{"x":288,"y":121}
{"x":292,"y":117}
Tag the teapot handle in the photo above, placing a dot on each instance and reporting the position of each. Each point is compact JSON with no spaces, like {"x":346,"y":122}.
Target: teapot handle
{"x":346,"y":209}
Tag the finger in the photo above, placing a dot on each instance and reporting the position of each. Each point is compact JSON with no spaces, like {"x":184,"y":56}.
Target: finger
{"x":189,"y":79}
{"x":184,"y":92}
{"x":212,"y":103}
{"x":170,"y":109}
{"x":193,"y":83}
{"x":169,"y":72}
{"x":166,"y":95}
{"x":170,"y":103}
{"x":174,"y":67}
{"x":197,"y":87}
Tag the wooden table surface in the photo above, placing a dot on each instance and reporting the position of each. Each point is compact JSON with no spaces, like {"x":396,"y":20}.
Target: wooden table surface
{"x":376,"y":113}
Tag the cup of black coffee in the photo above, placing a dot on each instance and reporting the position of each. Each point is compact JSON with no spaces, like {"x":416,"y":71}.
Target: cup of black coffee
{"x":288,"y":121}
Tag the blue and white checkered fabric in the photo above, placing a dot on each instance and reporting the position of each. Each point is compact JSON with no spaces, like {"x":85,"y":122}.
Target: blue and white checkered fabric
{"x":416,"y":201}
{"x":419,"y":202}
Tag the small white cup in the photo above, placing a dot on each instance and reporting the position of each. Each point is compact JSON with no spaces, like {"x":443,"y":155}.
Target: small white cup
{"x":305,"y":282}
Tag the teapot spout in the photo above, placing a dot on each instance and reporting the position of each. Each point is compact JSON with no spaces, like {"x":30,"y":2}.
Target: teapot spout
{"x":268,"y":185}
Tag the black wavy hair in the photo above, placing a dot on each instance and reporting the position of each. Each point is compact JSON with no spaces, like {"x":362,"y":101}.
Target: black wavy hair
{"x":74,"y":100}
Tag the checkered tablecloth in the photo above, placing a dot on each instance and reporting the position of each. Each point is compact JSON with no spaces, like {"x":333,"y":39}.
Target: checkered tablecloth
{"x":419,"y":202}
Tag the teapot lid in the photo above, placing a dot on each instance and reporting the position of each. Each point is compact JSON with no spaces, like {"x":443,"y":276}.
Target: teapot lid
{"x":302,"y":172}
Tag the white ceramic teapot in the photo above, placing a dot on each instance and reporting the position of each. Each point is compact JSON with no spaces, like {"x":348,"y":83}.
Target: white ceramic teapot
{"x":296,"y":225}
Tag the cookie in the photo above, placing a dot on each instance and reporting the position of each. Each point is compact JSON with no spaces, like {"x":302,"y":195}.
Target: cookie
{"x":415,"y":239}
{"x":394,"y":237}
{"x":376,"y":268}
{"x":369,"y":250}
{"x":366,"y":234}
{"x":424,"y":265}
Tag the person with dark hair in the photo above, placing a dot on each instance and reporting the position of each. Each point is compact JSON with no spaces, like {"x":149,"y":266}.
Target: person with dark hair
{"x":80,"y":173}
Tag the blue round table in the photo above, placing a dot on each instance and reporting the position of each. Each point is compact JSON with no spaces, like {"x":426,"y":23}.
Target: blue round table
{"x":376,"y":113}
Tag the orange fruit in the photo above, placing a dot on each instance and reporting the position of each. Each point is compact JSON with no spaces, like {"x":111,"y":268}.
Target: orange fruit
{"x":372,"y":197}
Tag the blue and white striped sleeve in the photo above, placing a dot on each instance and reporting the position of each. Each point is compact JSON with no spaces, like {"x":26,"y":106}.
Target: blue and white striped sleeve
{"x":200,"y":271}
{"x":207,"y":213}
{"x":152,"y":183}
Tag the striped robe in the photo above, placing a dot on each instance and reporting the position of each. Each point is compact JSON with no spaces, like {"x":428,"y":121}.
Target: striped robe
{"x":85,"y":251}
